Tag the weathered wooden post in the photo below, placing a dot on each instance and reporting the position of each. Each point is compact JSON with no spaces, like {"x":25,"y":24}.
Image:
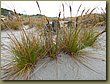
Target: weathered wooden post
{"x":55,"y":25}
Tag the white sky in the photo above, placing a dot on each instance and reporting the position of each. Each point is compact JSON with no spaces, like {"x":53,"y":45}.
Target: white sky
{"x":51,"y":8}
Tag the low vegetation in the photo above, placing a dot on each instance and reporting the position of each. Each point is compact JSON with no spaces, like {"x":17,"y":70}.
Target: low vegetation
{"x":26,"y":53}
{"x":30,"y":48}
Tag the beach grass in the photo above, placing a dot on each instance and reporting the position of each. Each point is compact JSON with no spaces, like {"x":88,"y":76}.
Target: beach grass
{"x":26,"y":53}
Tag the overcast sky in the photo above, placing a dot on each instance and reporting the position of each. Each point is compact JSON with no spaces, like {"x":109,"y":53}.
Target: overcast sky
{"x":52,"y":8}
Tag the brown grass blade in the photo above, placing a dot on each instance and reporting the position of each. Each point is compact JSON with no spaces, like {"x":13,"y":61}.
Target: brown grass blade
{"x":87,"y":11}
{"x":63,"y":11}
{"x":38,"y":6}
{"x":78,"y":9}
{"x":70,"y":10}
{"x":59,"y":15}
{"x":82,"y":12}
{"x":92,"y":10}
{"x":76,"y":21}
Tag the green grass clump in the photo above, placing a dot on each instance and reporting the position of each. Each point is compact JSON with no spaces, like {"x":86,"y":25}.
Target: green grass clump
{"x":82,"y":35}
{"x":26,"y":53}
{"x":77,"y":39}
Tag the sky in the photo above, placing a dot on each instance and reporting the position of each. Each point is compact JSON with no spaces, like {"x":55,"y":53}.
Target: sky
{"x":52,"y":8}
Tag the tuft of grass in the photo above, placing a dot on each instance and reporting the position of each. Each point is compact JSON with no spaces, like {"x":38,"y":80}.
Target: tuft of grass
{"x":76,"y":40}
{"x":81,"y":36}
{"x":26,"y":53}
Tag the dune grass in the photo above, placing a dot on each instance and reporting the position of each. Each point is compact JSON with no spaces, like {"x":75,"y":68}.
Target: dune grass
{"x":71,"y":38}
{"x":76,"y":40}
{"x":26,"y":53}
